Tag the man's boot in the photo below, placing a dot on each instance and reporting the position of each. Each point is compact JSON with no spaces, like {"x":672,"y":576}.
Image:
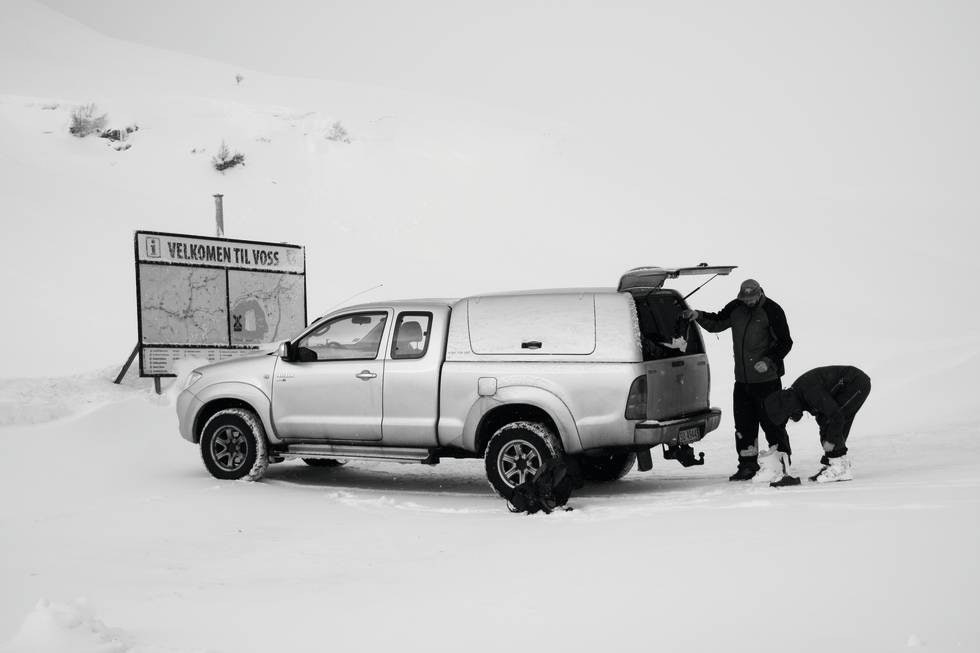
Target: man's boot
{"x":747,"y":467}
{"x":839,"y":469}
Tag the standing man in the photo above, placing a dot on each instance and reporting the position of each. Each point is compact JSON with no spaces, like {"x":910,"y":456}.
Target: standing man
{"x":760,"y":337}
{"x":833,"y":395}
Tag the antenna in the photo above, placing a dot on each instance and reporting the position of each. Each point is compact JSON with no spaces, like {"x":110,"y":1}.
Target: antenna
{"x":357,"y":294}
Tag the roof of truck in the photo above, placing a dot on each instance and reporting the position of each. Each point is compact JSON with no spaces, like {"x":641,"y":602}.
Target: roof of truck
{"x":421,"y":304}
{"x":549,"y":291}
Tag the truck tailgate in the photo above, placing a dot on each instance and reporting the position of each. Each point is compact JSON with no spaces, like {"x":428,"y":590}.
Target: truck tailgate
{"x":677,"y":386}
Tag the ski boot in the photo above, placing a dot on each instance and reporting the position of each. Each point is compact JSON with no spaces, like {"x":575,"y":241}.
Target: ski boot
{"x":776,"y":469}
{"x":839,"y":469}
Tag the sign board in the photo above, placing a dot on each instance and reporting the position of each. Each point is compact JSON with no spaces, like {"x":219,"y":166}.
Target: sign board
{"x":214,"y":298}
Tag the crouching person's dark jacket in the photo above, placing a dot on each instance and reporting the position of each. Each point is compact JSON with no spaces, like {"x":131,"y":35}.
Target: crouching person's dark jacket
{"x":832,"y":394}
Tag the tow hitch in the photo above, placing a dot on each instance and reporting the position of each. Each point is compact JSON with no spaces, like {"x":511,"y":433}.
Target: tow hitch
{"x":683,"y":453}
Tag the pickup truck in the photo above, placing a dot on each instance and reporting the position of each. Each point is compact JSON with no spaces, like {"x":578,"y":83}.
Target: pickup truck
{"x":602,"y":374}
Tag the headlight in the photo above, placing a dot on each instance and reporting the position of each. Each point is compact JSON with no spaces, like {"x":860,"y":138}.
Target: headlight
{"x":192,"y":378}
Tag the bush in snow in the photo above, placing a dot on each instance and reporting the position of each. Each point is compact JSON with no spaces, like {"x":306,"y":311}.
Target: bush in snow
{"x":85,"y":120}
{"x":225,"y":159}
{"x":338,"y":134}
{"x":238,"y":78}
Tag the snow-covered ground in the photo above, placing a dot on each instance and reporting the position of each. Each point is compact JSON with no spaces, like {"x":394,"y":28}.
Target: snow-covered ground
{"x":115,"y":538}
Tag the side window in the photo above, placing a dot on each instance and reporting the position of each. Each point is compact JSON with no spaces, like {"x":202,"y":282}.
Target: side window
{"x":411,"y":335}
{"x":349,"y":337}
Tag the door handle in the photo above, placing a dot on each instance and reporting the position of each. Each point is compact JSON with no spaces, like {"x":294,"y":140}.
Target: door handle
{"x":283,"y":377}
{"x":366,"y":375}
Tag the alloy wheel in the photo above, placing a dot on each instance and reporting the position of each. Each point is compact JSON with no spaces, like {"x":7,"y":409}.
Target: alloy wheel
{"x":518,"y":461}
{"x":229,"y":448}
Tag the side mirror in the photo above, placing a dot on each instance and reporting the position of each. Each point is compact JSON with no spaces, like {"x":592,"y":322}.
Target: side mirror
{"x":284,"y":352}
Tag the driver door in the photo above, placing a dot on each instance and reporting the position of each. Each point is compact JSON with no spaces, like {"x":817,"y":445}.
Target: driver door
{"x":332,"y":389}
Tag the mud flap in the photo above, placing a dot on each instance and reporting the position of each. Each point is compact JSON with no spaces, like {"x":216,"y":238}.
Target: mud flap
{"x":644,"y":462}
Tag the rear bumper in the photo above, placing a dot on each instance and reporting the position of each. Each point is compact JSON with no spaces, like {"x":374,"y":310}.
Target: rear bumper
{"x":694,"y":427}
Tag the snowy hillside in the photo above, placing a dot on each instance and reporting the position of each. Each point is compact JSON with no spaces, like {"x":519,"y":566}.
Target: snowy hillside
{"x":844,"y":180}
{"x":438,"y":197}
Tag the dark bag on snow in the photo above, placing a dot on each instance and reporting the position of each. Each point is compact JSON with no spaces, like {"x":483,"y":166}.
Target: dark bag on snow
{"x":550,"y":487}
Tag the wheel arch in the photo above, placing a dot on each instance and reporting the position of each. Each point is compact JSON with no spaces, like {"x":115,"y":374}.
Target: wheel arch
{"x":516,"y":403}
{"x":220,"y":396}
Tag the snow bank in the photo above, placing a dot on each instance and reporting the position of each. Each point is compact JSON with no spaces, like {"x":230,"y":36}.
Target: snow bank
{"x":46,"y":399}
{"x":39,"y":400}
{"x":53,"y":627}
{"x":60,"y":627}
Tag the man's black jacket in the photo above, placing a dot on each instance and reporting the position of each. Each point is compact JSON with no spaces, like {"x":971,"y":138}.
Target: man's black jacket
{"x":759,"y":333}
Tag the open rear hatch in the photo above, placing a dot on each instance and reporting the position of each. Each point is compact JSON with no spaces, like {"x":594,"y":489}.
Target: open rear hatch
{"x":677,"y":374}
{"x":650,"y":278}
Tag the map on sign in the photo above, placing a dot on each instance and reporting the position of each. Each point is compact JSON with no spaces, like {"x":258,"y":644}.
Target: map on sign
{"x":214,"y":298}
{"x":265,"y":307}
{"x":183,"y":305}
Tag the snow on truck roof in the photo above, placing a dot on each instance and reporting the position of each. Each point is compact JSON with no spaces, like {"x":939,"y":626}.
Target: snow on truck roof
{"x":549,"y":291}
{"x":442,"y":302}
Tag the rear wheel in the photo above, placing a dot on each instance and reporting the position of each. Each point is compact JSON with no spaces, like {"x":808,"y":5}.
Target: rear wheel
{"x":607,"y":467}
{"x":516,"y":452}
{"x":233,"y":445}
{"x":324,"y":462}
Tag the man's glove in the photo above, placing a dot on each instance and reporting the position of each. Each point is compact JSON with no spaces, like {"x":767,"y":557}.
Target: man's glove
{"x":690,"y":314}
{"x":761,"y":367}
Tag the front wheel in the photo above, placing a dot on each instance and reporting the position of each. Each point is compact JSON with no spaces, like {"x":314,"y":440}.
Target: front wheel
{"x":516,"y":452}
{"x":233,"y":445}
{"x":607,"y":467}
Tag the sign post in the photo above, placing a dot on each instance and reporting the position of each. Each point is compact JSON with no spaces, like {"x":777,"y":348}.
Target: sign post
{"x":213,"y":299}
{"x":219,"y":215}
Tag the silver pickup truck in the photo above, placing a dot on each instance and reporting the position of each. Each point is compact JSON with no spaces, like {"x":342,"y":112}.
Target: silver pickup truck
{"x":603,"y":374}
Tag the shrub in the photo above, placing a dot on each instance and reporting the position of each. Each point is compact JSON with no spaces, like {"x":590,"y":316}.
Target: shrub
{"x":338,"y":134}
{"x":85,"y":121}
{"x":238,"y":78}
{"x":225,"y":159}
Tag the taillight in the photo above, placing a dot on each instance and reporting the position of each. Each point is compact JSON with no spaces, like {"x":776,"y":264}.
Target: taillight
{"x":636,"y":402}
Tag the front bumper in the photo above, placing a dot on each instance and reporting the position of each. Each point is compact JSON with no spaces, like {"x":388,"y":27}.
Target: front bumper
{"x":187,"y":407}
{"x":677,"y":431}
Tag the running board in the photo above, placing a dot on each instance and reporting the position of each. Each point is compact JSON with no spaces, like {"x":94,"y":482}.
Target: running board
{"x":356,"y":452}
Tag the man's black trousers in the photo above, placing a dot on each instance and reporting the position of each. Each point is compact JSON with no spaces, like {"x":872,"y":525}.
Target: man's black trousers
{"x":750,"y":414}
{"x":850,"y":394}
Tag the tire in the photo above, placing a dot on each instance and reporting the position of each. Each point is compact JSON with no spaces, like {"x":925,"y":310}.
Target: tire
{"x":607,"y":467}
{"x":515,"y":452}
{"x":324,"y":462}
{"x":233,"y":445}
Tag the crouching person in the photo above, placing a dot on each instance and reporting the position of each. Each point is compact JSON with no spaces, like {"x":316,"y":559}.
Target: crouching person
{"x":833,"y":395}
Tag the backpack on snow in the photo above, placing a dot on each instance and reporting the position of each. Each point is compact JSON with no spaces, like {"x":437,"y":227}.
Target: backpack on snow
{"x":549,"y":488}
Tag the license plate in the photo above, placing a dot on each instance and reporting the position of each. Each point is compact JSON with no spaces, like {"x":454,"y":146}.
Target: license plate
{"x":687,"y":436}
